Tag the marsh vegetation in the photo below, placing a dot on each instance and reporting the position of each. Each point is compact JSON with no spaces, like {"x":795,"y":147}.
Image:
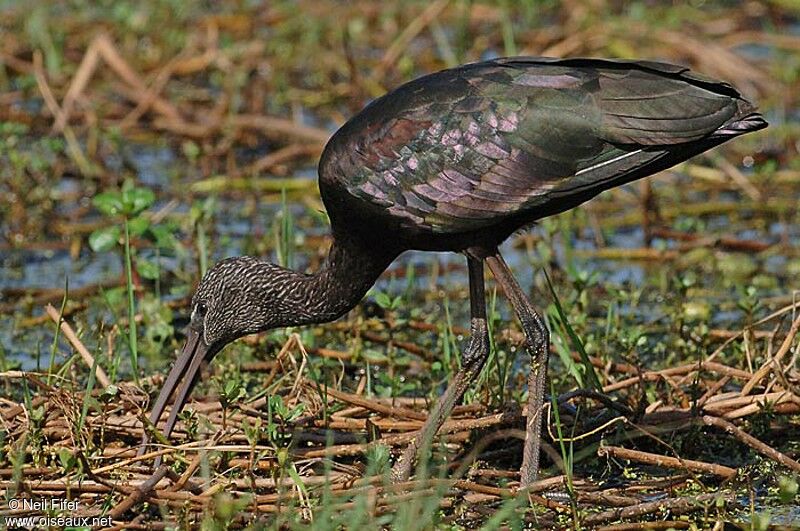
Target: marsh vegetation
{"x":142,"y":141}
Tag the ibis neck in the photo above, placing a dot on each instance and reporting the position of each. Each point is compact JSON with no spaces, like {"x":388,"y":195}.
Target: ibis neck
{"x":350,"y":270}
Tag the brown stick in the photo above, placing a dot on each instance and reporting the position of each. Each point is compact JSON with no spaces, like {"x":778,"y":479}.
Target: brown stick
{"x":140,"y":493}
{"x":752,"y":442}
{"x":638,"y":526}
{"x":674,"y":505}
{"x":680,"y":370}
{"x":73,"y":146}
{"x":758,"y":405}
{"x":190,"y":470}
{"x":143,"y":104}
{"x":280,"y":127}
{"x":140,"y":94}
{"x":666,"y":461}
{"x":775,"y":361}
{"x":282,"y":156}
{"x":714,"y":389}
{"x":448,"y":428}
{"x":413,"y":29}
{"x":77,"y":85}
{"x":66,"y":329}
{"x":723,"y":404}
{"x":397,"y":412}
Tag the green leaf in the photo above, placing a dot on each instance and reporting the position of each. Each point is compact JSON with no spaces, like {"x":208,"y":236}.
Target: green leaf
{"x":67,"y":459}
{"x":137,"y":199}
{"x":104,"y":239}
{"x":147,"y":269}
{"x":294,"y":413}
{"x":37,"y":414}
{"x":138,"y":225}
{"x":373,"y":356}
{"x":163,"y":237}
{"x":109,"y":203}
{"x":115,"y":296}
{"x":190,"y":150}
{"x":383,"y":300}
{"x":787,"y":489}
{"x":109,"y":392}
{"x":298,"y":481}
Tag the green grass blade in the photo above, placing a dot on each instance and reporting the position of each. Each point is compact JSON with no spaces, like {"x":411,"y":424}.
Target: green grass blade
{"x":54,"y":347}
{"x":86,"y":398}
{"x":567,"y":457}
{"x":577,"y":344}
{"x":131,"y":306}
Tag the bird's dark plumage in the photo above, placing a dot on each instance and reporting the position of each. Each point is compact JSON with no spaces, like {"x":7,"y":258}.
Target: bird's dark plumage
{"x":476,"y":151}
{"x":457,"y":161}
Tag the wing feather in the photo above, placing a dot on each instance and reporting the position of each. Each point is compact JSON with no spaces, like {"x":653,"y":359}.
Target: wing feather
{"x":464,"y":148}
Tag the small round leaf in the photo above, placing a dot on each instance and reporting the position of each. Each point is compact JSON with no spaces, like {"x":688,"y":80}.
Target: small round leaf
{"x":137,"y":199}
{"x":147,"y":269}
{"x":109,"y":203}
{"x":104,"y":239}
{"x":138,"y":225}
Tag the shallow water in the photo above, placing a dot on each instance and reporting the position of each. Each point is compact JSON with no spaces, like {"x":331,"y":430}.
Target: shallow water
{"x":243,"y":221}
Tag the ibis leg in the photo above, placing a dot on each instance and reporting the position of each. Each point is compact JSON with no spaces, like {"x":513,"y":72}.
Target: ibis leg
{"x":473,"y":359}
{"x":538,"y":347}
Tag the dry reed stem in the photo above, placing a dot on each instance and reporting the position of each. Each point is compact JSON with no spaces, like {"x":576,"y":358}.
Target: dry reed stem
{"x":676,"y":371}
{"x":78,"y":84}
{"x":73,"y":146}
{"x":139,"y":92}
{"x":396,"y":49}
{"x":640,"y":526}
{"x":666,"y":461}
{"x":282,"y":156}
{"x":78,"y":345}
{"x":397,"y":412}
{"x":279,"y":128}
{"x":775,"y":361}
{"x":752,"y":442}
{"x":673,"y":505}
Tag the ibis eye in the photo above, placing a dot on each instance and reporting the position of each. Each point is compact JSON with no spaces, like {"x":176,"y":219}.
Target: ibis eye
{"x":201,"y":310}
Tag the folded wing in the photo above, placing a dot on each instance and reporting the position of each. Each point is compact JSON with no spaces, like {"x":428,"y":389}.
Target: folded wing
{"x":462,"y":149}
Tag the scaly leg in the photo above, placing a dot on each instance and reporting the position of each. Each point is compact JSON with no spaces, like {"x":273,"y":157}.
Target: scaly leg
{"x":473,"y":360}
{"x":538,"y":346}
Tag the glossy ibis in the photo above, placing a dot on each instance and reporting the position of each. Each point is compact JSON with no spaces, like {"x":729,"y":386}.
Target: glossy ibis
{"x":458,"y":161}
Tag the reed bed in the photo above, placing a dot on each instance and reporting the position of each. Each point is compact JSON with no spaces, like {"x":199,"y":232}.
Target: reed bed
{"x":324,"y":452}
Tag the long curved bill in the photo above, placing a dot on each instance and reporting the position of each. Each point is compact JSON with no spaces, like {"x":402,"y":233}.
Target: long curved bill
{"x":186,"y":372}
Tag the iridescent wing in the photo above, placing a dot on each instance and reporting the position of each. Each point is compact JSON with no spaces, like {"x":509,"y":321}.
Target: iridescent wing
{"x":463,"y":148}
